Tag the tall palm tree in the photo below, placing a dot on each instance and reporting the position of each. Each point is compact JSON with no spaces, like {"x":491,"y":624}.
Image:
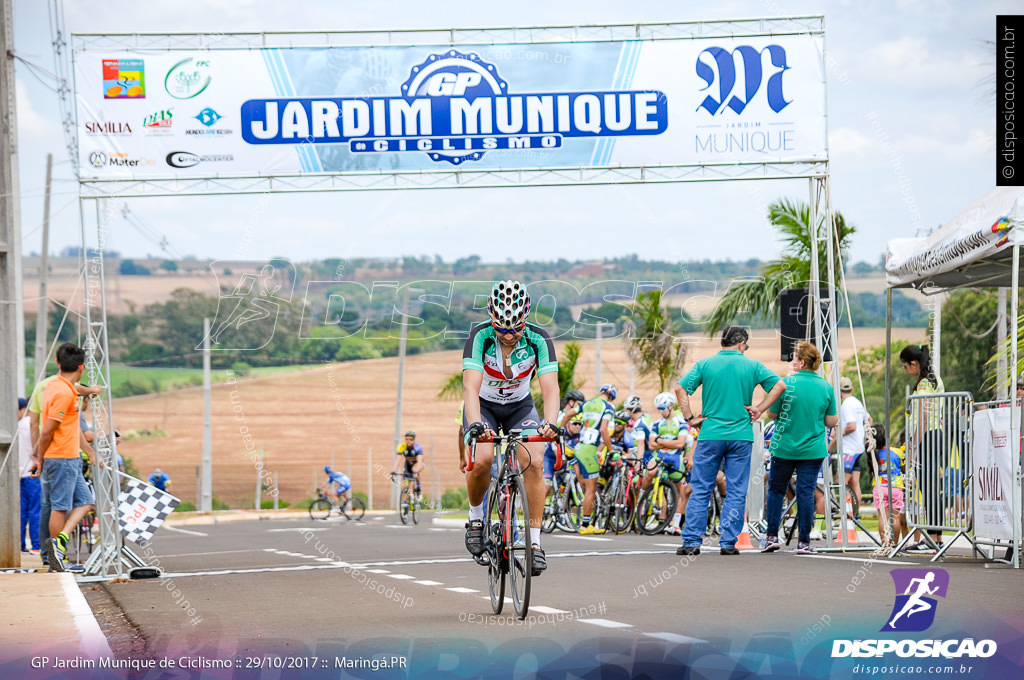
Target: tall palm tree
{"x":652,"y":343}
{"x":791,"y":270}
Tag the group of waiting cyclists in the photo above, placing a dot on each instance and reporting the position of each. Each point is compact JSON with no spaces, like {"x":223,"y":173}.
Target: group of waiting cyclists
{"x":692,"y":452}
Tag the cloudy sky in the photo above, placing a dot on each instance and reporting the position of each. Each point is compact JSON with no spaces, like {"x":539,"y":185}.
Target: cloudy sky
{"x":910,"y":117}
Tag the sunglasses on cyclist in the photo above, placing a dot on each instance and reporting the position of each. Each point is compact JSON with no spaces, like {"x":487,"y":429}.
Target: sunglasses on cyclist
{"x":508,"y":331}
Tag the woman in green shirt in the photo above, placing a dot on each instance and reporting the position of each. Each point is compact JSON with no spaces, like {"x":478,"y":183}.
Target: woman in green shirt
{"x":806,"y":408}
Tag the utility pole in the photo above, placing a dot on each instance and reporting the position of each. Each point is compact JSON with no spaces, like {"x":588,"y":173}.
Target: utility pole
{"x":12,"y":332}
{"x":402,"y":337}
{"x":205,"y":503}
{"x":42,"y":314}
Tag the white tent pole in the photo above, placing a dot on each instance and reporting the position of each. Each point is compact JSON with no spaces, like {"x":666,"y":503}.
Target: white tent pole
{"x":937,"y":336}
{"x":1015,"y":407}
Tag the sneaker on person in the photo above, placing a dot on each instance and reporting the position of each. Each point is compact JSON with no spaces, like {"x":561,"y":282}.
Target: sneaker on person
{"x":688,"y":550}
{"x":540,"y":562}
{"x":805,"y":549}
{"x":591,"y":529}
{"x":57,"y":555}
{"x":673,"y":531}
{"x":729,"y":550}
{"x":815,"y":535}
{"x":771,"y":544}
{"x":475,"y":537}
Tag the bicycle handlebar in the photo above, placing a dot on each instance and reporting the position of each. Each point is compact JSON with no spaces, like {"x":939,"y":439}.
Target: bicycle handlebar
{"x":515,"y":435}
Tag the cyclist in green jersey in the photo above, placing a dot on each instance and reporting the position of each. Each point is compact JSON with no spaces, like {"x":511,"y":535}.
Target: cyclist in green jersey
{"x":598,"y":416}
{"x":500,"y":359}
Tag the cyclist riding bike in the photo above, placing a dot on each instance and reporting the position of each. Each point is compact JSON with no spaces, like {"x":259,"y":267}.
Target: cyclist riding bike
{"x":338,"y":485}
{"x":598,"y":414}
{"x":671,"y":444}
{"x":499,"y":361}
{"x":412,"y":452}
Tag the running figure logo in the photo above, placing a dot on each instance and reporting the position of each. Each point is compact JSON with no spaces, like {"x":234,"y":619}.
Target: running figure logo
{"x":914,"y":609}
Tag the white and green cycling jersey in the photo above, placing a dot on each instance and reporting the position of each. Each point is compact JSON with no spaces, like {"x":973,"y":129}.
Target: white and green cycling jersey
{"x":596,"y":414}
{"x":534,"y":354}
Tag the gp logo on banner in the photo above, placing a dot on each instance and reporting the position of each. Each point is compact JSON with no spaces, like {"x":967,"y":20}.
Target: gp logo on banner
{"x":455,"y":107}
{"x":916,"y":589}
{"x":736,"y":89}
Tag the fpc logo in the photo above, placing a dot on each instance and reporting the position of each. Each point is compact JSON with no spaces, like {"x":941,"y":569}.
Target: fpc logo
{"x":916,"y":589}
{"x":735,"y":92}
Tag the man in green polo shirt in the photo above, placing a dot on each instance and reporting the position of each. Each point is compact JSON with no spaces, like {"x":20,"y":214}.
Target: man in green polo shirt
{"x":726,"y":433}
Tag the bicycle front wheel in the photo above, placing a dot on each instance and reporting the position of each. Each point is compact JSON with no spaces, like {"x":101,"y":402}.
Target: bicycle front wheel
{"x":404,"y":505}
{"x":623,"y":506}
{"x":547,"y":522}
{"x":495,"y":546}
{"x":655,"y":509}
{"x":413,"y":505}
{"x":520,"y":564}
{"x":320,"y":509}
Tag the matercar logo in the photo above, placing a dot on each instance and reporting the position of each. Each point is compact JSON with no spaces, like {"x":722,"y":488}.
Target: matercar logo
{"x":716,"y":65}
{"x":454,"y":107}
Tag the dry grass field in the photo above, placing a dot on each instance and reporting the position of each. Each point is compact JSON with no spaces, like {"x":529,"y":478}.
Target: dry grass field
{"x":297,"y":420}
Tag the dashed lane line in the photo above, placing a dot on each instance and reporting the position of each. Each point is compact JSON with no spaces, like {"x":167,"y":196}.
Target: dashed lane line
{"x":605,"y":623}
{"x":677,"y":639}
{"x":184,"y":531}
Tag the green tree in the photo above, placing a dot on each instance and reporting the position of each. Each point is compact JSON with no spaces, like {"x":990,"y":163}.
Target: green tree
{"x":451,"y":389}
{"x":744,"y":301}
{"x":969,"y":341}
{"x":872,"y":373}
{"x":169,"y":266}
{"x":651,"y":341}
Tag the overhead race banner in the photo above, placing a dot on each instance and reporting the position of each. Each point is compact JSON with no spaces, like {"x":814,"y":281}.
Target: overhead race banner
{"x":211,"y":113}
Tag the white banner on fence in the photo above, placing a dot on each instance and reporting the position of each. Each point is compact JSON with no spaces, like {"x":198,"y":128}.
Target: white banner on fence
{"x":214,"y":113}
{"x":992,"y":481}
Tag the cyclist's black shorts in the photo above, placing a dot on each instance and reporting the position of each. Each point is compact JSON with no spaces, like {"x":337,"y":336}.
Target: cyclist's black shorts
{"x":520,"y":415}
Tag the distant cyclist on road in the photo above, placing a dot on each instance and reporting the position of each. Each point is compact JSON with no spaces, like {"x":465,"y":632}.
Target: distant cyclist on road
{"x":500,"y":359}
{"x":338,"y":485}
{"x":412,"y":452}
{"x":159,"y":479}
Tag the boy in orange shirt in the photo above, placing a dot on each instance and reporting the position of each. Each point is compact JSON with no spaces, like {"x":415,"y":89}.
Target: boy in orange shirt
{"x":58,"y":457}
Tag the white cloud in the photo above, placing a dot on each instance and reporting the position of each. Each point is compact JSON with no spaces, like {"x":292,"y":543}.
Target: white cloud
{"x":909,"y":62}
{"x":30,"y":122}
{"x":848,"y":141}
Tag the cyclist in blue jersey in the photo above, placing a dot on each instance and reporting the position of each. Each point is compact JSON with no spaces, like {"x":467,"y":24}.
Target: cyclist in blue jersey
{"x":411,"y":451}
{"x":640,"y":427}
{"x":500,"y":359}
{"x":338,"y":485}
{"x":572,"y":429}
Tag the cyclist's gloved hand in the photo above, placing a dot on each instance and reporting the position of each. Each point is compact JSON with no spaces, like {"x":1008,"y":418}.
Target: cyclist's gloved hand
{"x":474,"y":431}
{"x":552,"y":430}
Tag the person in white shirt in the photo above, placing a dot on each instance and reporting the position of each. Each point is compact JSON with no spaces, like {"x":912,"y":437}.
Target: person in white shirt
{"x":853,"y":417}
{"x":31,"y":491}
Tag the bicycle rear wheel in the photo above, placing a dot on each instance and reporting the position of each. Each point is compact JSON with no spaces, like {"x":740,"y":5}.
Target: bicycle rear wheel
{"x":656,"y":508}
{"x":520,"y":563}
{"x":547,"y":522}
{"x":494,"y":544}
{"x":570,"y":520}
{"x":320,"y":509}
{"x":354,"y":509}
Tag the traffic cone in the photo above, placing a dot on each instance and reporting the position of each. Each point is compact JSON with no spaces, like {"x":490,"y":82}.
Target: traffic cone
{"x":851,"y":536}
{"x":743,"y":540}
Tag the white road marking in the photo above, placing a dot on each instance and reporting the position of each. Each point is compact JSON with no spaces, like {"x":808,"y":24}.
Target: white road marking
{"x":605,"y":623}
{"x":184,"y":531}
{"x":398,"y":526}
{"x":679,"y":639}
{"x":586,"y":538}
{"x":541,"y":609}
{"x":462,"y":590}
{"x":302,"y":529}
{"x":401,"y":577}
{"x":377,"y":571}
{"x":427,"y":582}
{"x":855,"y":559}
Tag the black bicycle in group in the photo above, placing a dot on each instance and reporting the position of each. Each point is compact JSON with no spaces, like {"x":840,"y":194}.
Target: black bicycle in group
{"x":408,"y":500}
{"x":508,"y":549}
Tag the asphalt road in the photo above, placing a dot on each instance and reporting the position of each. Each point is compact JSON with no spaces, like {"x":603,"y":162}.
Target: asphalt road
{"x":314,"y":592}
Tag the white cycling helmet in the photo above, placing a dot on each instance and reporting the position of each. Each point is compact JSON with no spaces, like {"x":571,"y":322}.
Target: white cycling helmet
{"x":632,"y":404}
{"x":508,"y":305}
{"x":664,"y":400}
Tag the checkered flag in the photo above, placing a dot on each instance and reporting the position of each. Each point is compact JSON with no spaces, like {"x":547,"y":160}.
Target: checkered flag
{"x":142,"y":509}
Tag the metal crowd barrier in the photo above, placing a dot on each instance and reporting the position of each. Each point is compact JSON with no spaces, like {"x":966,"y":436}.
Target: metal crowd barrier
{"x":937,"y":481}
